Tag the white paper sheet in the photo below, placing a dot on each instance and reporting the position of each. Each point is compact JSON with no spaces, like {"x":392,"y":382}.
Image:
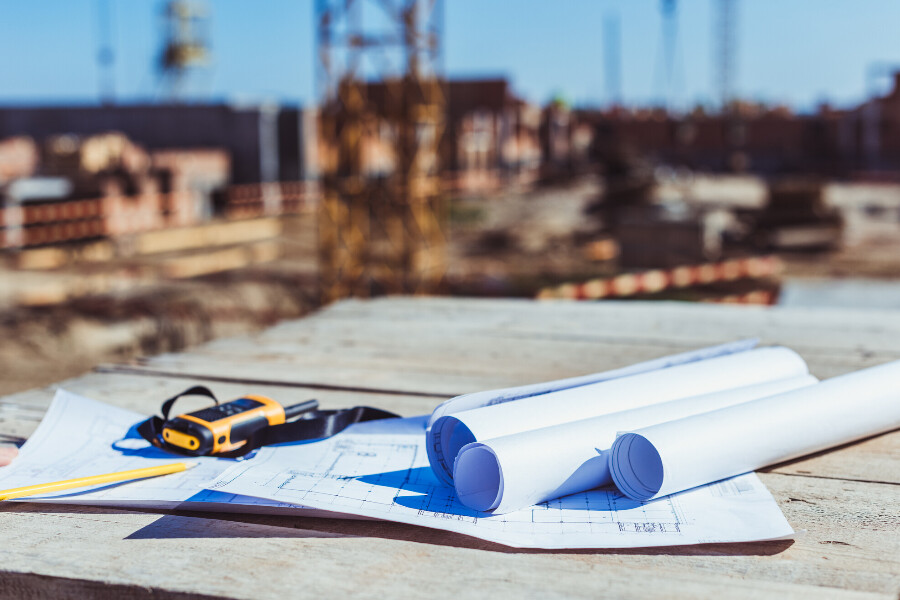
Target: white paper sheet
{"x":379,"y":469}
{"x":519,"y":470}
{"x":666,"y":458}
{"x":80,"y":437}
{"x":450,"y":433}
{"x":499,"y":396}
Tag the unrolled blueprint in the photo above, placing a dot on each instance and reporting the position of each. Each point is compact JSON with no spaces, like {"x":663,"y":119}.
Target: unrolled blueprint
{"x":79,"y":437}
{"x":379,"y":469}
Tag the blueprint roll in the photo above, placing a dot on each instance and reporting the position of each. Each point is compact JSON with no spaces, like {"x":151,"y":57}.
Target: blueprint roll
{"x":677,"y":455}
{"x":451,"y":432}
{"x":500,"y":396}
{"x":512,"y":472}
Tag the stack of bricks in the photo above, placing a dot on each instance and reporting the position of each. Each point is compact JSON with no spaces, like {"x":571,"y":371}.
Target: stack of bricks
{"x":56,"y":222}
{"x":109,"y":173}
{"x":190,"y":177}
{"x":123,"y":213}
{"x":246,"y":201}
{"x":117,"y":188}
{"x":297,"y":196}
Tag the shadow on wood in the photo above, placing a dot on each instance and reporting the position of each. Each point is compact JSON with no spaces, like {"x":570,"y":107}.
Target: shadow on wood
{"x":324,"y":528}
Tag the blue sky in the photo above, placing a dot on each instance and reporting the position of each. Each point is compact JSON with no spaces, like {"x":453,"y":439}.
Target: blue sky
{"x":798,"y":52}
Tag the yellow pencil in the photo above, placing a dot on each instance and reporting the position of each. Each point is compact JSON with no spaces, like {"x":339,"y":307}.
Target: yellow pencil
{"x":43,"y":488}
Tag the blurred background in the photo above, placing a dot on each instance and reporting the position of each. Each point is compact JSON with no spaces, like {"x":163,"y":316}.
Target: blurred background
{"x":177,"y":170}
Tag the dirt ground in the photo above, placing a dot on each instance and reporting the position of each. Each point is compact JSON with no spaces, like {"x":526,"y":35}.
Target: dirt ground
{"x":513,"y":244}
{"x":43,"y":345}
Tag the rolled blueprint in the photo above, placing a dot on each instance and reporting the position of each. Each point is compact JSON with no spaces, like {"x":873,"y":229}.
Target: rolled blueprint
{"x":491,"y":397}
{"x":663,"y":459}
{"x":451,"y":432}
{"x":519,"y":470}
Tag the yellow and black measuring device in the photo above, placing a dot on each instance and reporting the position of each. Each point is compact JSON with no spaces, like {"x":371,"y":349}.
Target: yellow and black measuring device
{"x":235,"y":428}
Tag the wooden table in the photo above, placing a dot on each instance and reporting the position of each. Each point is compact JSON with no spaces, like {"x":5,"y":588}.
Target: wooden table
{"x":406,"y":355}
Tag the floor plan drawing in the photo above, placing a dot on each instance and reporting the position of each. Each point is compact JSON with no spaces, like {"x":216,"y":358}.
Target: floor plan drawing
{"x":380,"y":470}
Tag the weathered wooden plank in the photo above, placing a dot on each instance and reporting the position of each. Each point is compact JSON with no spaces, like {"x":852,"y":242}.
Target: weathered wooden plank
{"x":206,"y":236}
{"x":661,"y":321}
{"x":516,"y":341}
{"x":216,"y":261}
{"x":392,"y":376}
{"x":20,"y":413}
{"x":874,"y":459}
{"x":449,"y":366}
{"x":665,"y":322}
{"x":848,"y":552}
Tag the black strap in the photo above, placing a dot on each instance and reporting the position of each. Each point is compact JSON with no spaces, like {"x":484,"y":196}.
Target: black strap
{"x":197,"y":390}
{"x":151,"y":429}
{"x":312,"y":425}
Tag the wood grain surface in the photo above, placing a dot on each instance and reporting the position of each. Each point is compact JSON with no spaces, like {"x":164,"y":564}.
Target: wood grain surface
{"x":406,"y":355}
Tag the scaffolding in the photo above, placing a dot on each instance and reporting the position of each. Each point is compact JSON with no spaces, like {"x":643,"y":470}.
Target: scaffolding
{"x":185,"y":44}
{"x":382,"y":102}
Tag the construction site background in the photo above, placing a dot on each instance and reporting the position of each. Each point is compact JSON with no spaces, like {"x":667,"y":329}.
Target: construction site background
{"x":130,"y":229}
